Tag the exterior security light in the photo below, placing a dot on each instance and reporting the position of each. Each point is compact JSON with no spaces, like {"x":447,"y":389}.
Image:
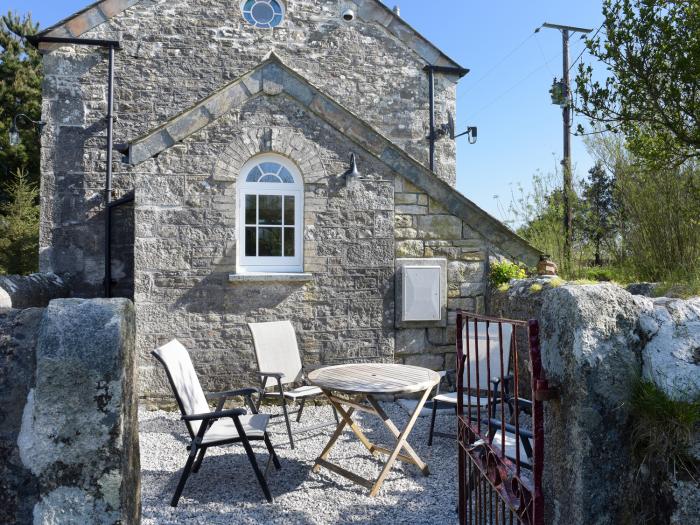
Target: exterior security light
{"x":15,"y":138}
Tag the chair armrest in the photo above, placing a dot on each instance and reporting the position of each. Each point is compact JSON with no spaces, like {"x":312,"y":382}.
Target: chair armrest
{"x":525,"y":404}
{"x":215,"y":415}
{"x":496,"y":424}
{"x":231,"y":393}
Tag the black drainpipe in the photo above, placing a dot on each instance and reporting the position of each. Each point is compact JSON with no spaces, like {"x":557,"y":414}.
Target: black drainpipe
{"x":432,"y":137}
{"x":108,"y":181}
{"x":111,"y":45}
{"x":432,"y":69}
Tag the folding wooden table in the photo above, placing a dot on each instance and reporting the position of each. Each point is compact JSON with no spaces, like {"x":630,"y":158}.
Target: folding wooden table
{"x":350,"y":385}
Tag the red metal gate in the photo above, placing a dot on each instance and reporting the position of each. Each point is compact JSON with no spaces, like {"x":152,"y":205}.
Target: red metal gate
{"x":500,"y":428}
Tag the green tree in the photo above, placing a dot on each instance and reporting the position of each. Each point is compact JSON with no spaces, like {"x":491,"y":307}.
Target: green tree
{"x":20,"y":92}
{"x":658,"y":213}
{"x":598,"y":214}
{"x":651,"y":49}
{"x":536,"y":216}
{"x":19,"y":226}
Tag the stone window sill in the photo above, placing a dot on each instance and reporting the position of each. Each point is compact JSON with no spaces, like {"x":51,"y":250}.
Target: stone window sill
{"x":270,"y":277}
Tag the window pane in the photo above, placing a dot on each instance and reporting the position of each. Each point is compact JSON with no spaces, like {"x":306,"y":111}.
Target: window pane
{"x":289,"y":242}
{"x":250,"y":242}
{"x":288,"y":211}
{"x":270,"y":209}
{"x":270,"y":240}
{"x":251,"y":209}
{"x":270,"y":168}
{"x":254,"y":175}
{"x":270,"y":178}
{"x":286,"y":176}
{"x":263,"y":13}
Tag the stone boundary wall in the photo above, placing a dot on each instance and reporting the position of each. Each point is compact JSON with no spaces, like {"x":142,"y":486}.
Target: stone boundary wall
{"x":36,"y":290}
{"x":596,"y":341}
{"x":68,"y":421}
{"x":19,"y":489}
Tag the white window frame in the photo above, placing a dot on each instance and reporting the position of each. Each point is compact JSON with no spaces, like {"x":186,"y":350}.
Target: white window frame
{"x":248,"y":264}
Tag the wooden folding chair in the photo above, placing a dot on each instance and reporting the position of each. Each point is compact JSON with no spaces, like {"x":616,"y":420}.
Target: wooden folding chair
{"x":278,"y":359}
{"x":209,"y":428}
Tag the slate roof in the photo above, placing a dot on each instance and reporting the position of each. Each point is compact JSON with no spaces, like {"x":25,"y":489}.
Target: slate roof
{"x":370,"y":10}
{"x":273,"y":77}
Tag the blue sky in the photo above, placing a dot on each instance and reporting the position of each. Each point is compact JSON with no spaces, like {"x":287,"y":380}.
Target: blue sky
{"x":506,"y":94}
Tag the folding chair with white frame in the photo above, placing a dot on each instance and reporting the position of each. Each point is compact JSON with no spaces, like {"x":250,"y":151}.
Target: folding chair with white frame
{"x":279,"y":365}
{"x":493,"y":341}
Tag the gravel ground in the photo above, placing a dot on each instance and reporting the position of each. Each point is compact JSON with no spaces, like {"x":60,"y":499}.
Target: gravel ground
{"x":225,"y":490}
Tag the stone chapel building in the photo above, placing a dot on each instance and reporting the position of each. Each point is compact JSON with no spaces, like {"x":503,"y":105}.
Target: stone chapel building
{"x":234,"y":194}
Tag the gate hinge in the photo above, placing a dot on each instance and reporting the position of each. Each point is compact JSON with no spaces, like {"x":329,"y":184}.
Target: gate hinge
{"x":544,"y":392}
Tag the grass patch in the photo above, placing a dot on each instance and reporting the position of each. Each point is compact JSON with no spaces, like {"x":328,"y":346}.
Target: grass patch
{"x":662,"y":433}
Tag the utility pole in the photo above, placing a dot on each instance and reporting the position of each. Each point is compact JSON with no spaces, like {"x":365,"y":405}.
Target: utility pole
{"x":566,"y":161}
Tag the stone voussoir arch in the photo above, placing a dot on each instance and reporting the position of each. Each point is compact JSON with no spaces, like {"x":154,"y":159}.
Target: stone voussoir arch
{"x":283,"y":141}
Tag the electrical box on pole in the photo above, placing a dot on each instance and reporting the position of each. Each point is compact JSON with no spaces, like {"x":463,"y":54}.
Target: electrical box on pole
{"x":561,"y":96}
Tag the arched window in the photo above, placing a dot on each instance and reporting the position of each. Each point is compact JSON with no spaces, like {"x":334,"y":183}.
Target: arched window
{"x":270,"y":216}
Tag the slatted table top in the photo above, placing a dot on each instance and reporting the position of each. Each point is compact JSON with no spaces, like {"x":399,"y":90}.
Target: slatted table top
{"x":374,"y":378}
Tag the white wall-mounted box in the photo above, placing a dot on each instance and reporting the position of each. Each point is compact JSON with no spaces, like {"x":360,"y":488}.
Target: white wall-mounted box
{"x":422,"y":294}
{"x":437,"y":321}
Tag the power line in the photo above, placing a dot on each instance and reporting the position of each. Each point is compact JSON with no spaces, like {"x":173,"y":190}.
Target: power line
{"x":585,"y":47}
{"x":499,"y":63}
{"x":539,"y":46}
{"x":511,"y":88}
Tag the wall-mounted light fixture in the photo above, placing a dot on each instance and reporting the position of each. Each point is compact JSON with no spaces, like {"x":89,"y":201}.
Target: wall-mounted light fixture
{"x":471,"y":133}
{"x":15,"y":138}
{"x":353,"y":174}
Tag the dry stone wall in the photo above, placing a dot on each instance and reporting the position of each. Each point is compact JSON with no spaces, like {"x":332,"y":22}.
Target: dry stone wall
{"x":597,"y":340}
{"x":68,"y":428}
{"x":26,"y":291}
{"x":19,"y":488}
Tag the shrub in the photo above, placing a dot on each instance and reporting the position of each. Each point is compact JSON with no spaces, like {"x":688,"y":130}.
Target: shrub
{"x":502,"y":272}
{"x":599,"y":274}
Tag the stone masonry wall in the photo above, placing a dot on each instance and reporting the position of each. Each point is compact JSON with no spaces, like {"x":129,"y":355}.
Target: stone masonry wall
{"x":174,"y":54}
{"x":424,"y":229}
{"x":186,"y":249}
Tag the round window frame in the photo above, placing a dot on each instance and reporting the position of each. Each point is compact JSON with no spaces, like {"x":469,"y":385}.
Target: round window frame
{"x":283,"y":8}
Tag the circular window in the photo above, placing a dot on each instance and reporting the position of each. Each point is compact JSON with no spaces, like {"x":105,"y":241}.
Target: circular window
{"x":263,"y":13}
